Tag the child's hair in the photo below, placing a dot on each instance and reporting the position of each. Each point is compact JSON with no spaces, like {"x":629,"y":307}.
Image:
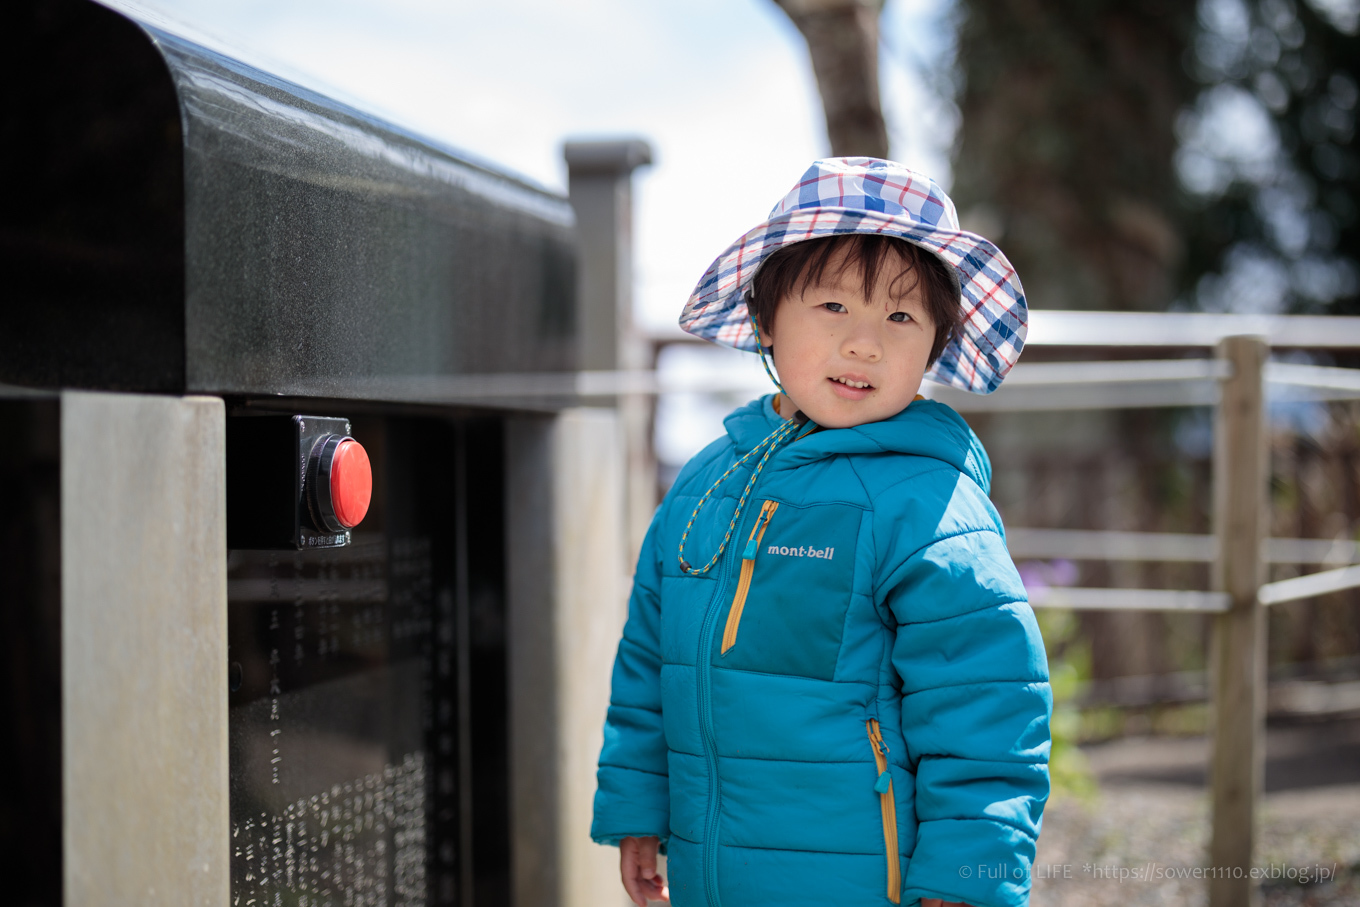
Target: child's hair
{"x":794,"y":267}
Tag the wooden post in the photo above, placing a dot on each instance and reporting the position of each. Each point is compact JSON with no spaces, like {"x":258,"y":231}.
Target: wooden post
{"x":144,"y":766}
{"x":600,"y":181}
{"x":566,"y":608}
{"x":1237,"y":652}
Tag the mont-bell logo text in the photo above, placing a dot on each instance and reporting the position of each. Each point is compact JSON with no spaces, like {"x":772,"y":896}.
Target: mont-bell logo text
{"x":801,"y":551}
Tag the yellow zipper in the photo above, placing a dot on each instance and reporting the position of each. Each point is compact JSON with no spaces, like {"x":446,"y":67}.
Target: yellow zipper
{"x":883,"y":787}
{"x":748,"y":568}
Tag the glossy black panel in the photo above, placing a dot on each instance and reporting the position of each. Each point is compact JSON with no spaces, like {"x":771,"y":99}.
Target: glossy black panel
{"x":489,"y":695}
{"x":367,"y":721}
{"x":30,"y":652}
{"x":332,"y":255}
{"x":92,"y":224}
{"x":183,"y":221}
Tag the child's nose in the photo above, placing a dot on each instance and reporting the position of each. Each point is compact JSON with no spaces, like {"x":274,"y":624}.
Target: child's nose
{"x":862,"y":344}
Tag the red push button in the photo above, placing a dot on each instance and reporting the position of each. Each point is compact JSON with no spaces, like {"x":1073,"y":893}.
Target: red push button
{"x":351,"y":482}
{"x":339,"y":484}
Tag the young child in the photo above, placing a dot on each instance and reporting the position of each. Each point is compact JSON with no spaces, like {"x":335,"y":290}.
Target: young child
{"x":831,"y":689}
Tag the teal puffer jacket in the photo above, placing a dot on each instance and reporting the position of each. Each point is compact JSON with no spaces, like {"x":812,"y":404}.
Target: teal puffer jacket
{"x":856,"y":715}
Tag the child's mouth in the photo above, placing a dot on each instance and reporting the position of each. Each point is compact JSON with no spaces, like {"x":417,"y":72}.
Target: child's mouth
{"x":850,"y":388}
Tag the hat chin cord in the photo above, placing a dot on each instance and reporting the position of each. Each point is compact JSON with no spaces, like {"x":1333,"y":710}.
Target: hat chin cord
{"x":788,"y":429}
{"x":760,"y":347}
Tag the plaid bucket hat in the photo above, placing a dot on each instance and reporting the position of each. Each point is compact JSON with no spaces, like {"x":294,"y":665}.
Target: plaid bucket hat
{"x":868,"y":195}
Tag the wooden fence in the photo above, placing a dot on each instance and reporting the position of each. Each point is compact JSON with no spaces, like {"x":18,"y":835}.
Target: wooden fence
{"x":1238,"y":381}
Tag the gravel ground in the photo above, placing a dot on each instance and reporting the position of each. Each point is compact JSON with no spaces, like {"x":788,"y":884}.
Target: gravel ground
{"x":1150,"y":822}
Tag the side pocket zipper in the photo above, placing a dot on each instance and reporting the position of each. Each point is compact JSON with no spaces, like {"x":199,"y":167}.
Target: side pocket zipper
{"x":748,"y":569}
{"x":884,"y":788}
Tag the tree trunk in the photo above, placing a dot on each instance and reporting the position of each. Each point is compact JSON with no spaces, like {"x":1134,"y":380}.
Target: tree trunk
{"x":842,"y":37}
{"x":1066,"y":151}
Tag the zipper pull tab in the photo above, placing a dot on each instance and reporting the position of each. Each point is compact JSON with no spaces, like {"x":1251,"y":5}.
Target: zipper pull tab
{"x":876,"y":738}
{"x":881,"y":785}
{"x":766,"y":511}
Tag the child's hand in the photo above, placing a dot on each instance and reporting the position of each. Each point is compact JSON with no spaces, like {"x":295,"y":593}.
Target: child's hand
{"x":937,"y":902}
{"x":637,"y":865}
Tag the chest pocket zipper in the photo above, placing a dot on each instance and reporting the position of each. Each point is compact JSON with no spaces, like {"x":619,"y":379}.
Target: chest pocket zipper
{"x":884,"y":788}
{"x":748,"y":569}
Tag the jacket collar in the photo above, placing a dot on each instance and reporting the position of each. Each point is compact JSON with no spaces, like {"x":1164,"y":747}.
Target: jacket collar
{"x":925,"y":428}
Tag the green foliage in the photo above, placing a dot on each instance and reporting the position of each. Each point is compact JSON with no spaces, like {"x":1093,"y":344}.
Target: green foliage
{"x":1164,"y":153}
{"x":1069,"y":668}
{"x":1286,"y":213}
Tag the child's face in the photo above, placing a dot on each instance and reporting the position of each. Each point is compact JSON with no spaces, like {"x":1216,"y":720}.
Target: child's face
{"x":835,"y":333}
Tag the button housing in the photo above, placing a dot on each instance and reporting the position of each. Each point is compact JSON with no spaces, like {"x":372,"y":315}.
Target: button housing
{"x":268,"y":465}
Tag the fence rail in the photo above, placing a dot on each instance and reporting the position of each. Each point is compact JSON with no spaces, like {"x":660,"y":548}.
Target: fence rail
{"x":1170,"y":330}
{"x":1175,"y":547}
{"x":1030,"y":387}
{"x":1167,"y":547}
{"x":1238,"y":382}
{"x":1309,"y":586}
{"x":1108,"y":599}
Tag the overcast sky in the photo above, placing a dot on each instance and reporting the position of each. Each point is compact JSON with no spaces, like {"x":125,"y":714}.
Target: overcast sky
{"x":721,"y":88}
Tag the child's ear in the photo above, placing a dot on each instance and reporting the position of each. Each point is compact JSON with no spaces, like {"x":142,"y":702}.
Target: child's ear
{"x":763,"y":337}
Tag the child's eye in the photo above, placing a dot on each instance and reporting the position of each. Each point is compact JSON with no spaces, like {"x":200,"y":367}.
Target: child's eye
{"x":833,"y":307}
{"x":899,"y":316}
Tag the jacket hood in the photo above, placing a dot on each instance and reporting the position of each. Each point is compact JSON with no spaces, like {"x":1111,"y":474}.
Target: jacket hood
{"x":925,"y":428}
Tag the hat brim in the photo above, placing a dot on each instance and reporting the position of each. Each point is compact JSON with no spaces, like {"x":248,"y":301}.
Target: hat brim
{"x":994,"y":312}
